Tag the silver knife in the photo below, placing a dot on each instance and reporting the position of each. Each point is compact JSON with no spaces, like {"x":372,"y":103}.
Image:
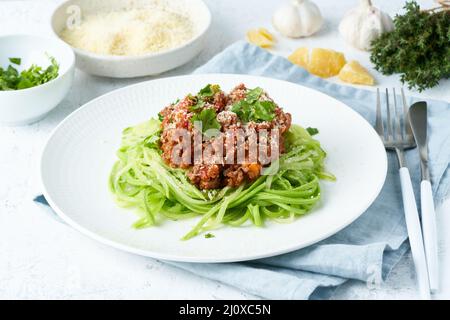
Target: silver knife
{"x":418,"y":119}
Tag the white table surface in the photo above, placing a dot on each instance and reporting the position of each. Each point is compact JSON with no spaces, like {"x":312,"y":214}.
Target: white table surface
{"x":41,"y":258}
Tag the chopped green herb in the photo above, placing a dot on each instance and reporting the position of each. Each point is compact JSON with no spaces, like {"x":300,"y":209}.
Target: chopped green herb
{"x":312,"y":131}
{"x":252,"y":109}
{"x":11,"y":79}
{"x":17,"y":61}
{"x":209,"y":235}
{"x":203,"y":96}
{"x":264,"y":110}
{"x":160,"y":117}
{"x":209,"y":91}
{"x":243,"y":110}
{"x":253,"y":95}
{"x":208,"y":119}
{"x":197,"y":107}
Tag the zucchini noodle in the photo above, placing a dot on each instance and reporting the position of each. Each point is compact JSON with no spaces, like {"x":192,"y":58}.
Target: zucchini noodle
{"x":140,"y":179}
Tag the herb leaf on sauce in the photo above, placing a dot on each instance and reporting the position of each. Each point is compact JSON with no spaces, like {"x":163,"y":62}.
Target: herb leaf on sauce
{"x":264,"y":110}
{"x":208,"y":118}
{"x":253,"y":95}
{"x":252,"y":109}
{"x":209,"y":91}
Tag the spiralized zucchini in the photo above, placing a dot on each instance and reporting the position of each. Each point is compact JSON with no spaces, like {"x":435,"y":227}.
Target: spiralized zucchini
{"x":140,"y":179}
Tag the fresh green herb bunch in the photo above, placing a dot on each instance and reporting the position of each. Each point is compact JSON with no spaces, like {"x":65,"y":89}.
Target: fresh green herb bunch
{"x":418,"y":48}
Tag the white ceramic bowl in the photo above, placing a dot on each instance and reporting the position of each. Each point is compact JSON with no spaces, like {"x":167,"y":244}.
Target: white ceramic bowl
{"x":20,"y":107}
{"x":134,"y":66}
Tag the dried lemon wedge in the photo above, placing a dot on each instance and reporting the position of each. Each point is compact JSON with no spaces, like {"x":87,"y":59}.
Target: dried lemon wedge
{"x":355,"y":73}
{"x":261,"y":37}
{"x":300,"y":57}
{"x":325,"y":63}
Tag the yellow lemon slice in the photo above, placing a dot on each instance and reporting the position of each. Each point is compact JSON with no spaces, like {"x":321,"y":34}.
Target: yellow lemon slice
{"x":260,"y":37}
{"x":355,"y":73}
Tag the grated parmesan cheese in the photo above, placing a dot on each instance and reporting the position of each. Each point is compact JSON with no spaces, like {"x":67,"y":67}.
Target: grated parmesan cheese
{"x":130,"y":32}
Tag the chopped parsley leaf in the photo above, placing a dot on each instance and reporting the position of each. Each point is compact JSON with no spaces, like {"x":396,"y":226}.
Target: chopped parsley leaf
{"x":253,"y":95}
{"x":17,"y":61}
{"x":242,"y":109}
{"x":252,"y":109}
{"x":209,"y":235}
{"x":264,"y":110}
{"x":209,"y":91}
{"x":312,"y":131}
{"x":198,"y":106}
{"x":11,"y":79}
{"x":208,"y":119}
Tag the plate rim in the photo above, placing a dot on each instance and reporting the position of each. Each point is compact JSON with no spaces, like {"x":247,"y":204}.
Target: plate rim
{"x":190,"y":259}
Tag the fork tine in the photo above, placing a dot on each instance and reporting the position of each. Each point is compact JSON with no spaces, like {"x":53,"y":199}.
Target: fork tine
{"x":406,"y":123}
{"x":379,"y":120}
{"x":389,"y":120}
{"x":397,"y":114}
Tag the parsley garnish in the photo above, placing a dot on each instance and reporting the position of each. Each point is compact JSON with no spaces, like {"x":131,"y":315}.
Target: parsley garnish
{"x":312,"y":131}
{"x":11,"y":79}
{"x":209,"y":235}
{"x":253,"y":95}
{"x":209,"y":91}
{"x":203,"y":96}
{"x":160,"y":117}
{"x":198,"y":106}
{"x":417,"y":49}
{"x":208,"y":119}
{"x":17,"y":61}
{"x":264,"y":110}
{"x":242,"y":109}
{"x":252,"y":109}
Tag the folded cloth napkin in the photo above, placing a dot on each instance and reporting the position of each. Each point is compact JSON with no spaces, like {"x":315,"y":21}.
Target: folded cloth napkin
{"x":368,"y":248}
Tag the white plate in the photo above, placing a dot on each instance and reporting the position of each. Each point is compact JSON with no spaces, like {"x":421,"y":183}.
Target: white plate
{"x":78,"y":157}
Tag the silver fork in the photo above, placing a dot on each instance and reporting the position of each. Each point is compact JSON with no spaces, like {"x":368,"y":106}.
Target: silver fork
{"x":398,"y":137}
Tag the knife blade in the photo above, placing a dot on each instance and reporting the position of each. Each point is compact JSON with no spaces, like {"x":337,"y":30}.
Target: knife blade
{"x":418,"y":115}
{"x":418,"y":119}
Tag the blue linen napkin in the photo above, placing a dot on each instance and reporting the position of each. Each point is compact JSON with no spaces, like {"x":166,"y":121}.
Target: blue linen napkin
{"x":368,"y":248}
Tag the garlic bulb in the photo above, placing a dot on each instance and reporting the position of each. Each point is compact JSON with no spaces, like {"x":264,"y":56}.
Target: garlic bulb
{"x":300,"y":18}
{"x":363,"y":24}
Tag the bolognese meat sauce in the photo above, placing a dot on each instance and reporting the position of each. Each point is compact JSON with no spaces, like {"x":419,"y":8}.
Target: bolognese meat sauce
{"x":238,"y":119}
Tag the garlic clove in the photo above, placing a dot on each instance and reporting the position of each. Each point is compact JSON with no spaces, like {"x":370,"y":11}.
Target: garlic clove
{"x":300,"y":18}
{"x":363,"y":24}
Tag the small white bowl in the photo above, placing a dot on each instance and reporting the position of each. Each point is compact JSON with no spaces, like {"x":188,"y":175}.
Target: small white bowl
{"x":134,"y":66}
{"x":20,"y":107}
